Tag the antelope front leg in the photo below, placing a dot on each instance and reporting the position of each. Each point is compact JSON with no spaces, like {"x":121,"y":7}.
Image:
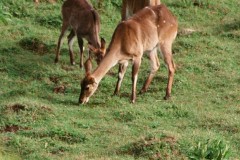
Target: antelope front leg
{"x":121,"y":71}
{"x":167,"y":53}
{"x":70,"y":44}
{"x":154,"y":67}
{"x":171,"y":71}
{"x":80,"y":44}
{"x":60,"y":41}
{"x":135,"y":69}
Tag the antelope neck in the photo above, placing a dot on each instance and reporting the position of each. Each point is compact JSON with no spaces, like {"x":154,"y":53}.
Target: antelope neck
{"x":106,"y":64}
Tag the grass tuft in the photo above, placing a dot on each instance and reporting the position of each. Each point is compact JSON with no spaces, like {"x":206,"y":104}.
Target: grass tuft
{"x":151,"y":147}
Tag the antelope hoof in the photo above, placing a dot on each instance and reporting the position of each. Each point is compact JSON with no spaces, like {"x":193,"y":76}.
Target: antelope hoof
{"x":81,"y":66}
{"x":133,"y":101}
{"x":83,"y":101}
{"x":142,"y":91}
{"x":56,"y":60}
{"x":80,"y":102}
{"x":167,"y":97}
{"x":116,"y":93}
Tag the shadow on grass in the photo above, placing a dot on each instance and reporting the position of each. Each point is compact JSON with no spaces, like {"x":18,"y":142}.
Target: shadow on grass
{"x":35,"y":45}
{"x":231,"y":26}
{"x":229,"y":30}
{"x":163,"y":147}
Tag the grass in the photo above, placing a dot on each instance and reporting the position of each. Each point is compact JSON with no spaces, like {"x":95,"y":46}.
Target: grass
{"x":40,"y":117}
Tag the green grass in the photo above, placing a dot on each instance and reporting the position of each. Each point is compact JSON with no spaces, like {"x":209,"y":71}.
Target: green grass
{"x":40,"y":117}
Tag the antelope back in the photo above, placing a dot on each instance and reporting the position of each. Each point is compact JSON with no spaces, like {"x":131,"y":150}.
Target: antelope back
{"x":154,"y":2}
{"x":145,"y":30}
{"x":130,"y":7}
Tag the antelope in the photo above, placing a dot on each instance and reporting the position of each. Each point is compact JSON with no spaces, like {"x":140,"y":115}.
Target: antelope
{"x":150,"y":28}
{"x":129,"y":7}
{"x":85,"y":23}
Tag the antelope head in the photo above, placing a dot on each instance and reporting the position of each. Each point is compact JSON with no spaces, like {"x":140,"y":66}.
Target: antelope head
{"x":88,"y":84}
{"x":98,"y":52}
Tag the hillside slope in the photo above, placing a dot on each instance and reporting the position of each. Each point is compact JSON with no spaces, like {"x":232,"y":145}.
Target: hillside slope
{"x":40,"y":117}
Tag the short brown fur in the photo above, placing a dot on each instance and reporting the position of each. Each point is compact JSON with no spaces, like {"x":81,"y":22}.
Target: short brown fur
{"x":85,"y":23}
{"x":130,"y":7}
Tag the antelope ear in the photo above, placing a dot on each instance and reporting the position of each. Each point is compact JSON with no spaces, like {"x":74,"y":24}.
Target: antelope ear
{"x":92,"y":81}
{"x":88,"y":66}
{"x":103,"y":43}
{"x":92,"y":48}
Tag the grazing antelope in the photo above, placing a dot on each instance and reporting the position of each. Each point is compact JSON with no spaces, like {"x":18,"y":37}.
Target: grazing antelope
{"x":152,"y":27}
{"x":85,"y":23}
{"x":129,"y":7}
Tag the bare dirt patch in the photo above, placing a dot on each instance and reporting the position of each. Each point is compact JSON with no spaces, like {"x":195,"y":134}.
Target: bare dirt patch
{"x":17,"y":107}
{"x":55,"y":80}
{"x":13,"y":128}
{"x":59,"y":89}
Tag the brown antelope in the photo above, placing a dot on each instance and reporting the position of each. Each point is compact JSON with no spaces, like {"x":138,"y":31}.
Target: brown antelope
{"x":150,"y":28}
{"x":129,"y":7}
{"x":85,"y":23}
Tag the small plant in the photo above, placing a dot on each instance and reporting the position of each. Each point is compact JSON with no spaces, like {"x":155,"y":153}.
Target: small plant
{"x":5,"y":16}
{"x":50,"y":20}
{"x":17,"y":9}
{"x":214,"y":150}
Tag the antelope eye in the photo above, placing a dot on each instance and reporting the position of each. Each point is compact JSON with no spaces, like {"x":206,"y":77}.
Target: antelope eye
{"x":87,"y":87}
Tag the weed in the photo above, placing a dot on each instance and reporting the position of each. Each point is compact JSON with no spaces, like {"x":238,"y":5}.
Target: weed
{"x":211,"y":149}
{"x":16,"y":8}
{"x":5,"y":16}
{"x":50,"y":20}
